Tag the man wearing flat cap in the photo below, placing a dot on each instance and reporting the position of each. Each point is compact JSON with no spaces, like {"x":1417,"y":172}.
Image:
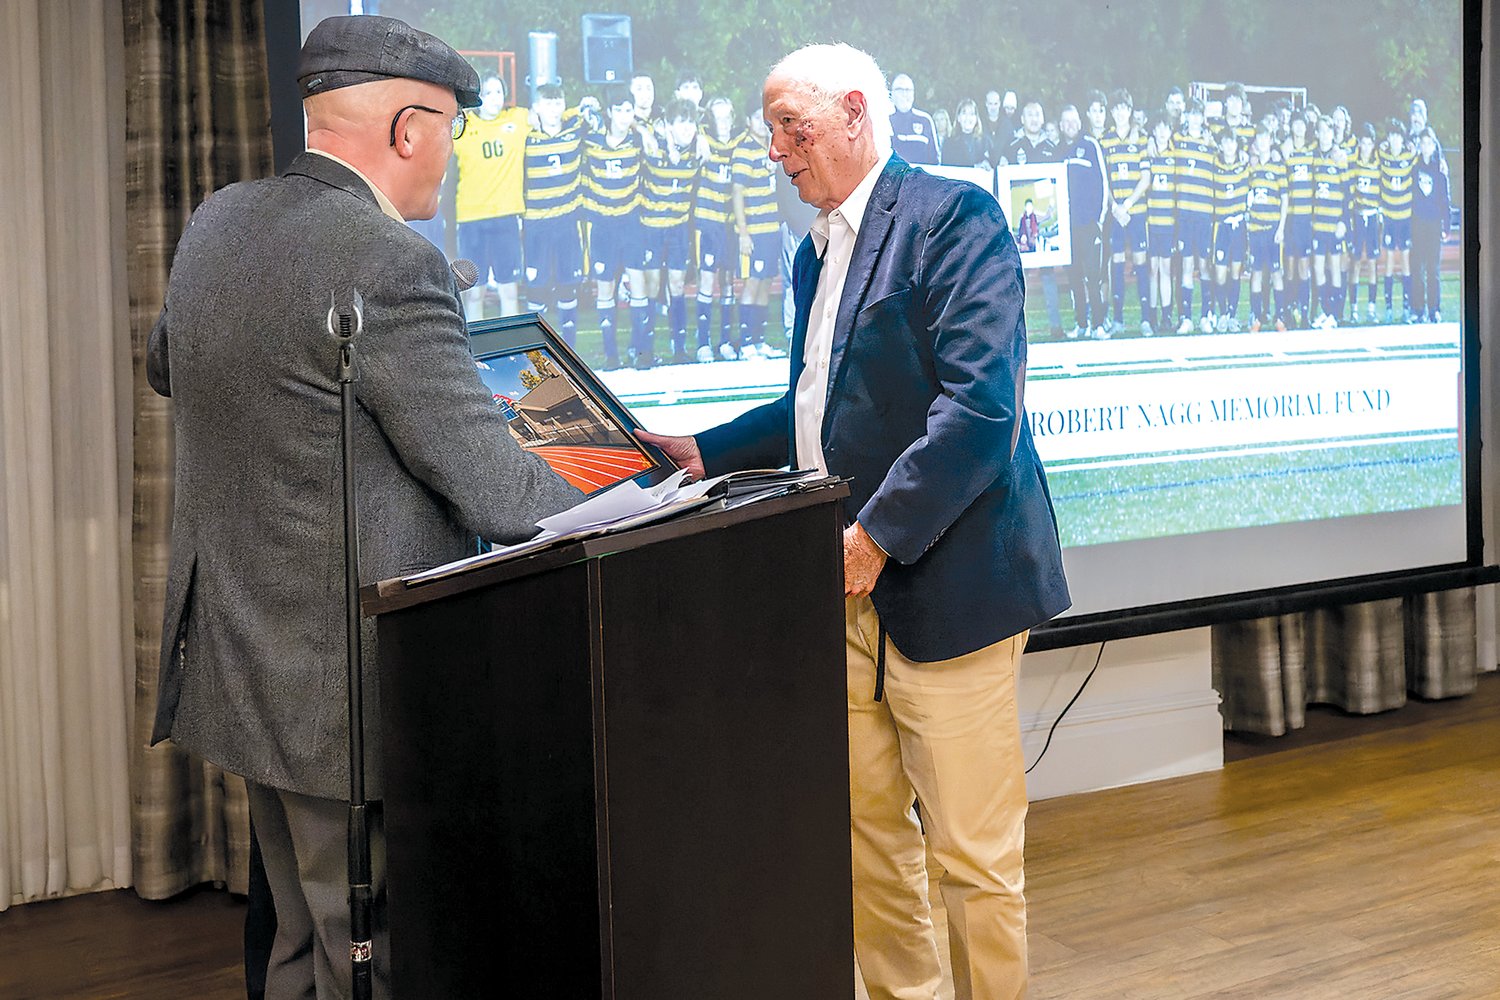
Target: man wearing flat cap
{"x":253,"y":674}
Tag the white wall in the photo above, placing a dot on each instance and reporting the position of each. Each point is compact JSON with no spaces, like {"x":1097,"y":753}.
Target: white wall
{"x":1150,"y":712}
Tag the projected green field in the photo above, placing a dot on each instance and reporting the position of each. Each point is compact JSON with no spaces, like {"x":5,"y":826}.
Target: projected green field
{"x":1173,"y":497}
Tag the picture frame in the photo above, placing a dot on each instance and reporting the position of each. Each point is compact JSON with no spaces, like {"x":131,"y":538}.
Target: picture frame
{"x":558,"y":408}
{"x":1045,"y":185}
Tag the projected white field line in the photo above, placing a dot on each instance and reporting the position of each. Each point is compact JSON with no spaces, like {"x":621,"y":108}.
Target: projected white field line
{"x":1194,"y":397}
{"x":1281,"y":449}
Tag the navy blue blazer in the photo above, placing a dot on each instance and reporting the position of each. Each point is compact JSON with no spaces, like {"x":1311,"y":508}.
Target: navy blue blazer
{"x":925,"y":415}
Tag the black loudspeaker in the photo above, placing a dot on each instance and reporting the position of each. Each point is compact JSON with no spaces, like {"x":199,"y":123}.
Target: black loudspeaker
{"x":606,"y":48}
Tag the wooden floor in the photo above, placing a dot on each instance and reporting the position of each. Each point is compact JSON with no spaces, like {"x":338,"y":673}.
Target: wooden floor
{"x":1366,"y":867}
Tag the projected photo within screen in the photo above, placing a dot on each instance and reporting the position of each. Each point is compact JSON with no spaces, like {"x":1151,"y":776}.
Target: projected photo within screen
{"x":1241,"y":229}
{"x":551,"y":418}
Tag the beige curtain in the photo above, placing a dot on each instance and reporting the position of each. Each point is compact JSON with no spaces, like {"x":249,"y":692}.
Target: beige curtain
{"x":64,"y":454}
{"x":198,"y":118}
{"x":1363,"y":658}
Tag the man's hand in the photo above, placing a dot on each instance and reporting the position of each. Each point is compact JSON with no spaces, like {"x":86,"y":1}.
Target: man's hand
{"x":863,"y":561}
{"x":681,"y":450}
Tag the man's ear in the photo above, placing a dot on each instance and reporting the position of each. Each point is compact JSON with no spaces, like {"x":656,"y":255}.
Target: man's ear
{"x":855,"y":108}
{"x":405,"y":143}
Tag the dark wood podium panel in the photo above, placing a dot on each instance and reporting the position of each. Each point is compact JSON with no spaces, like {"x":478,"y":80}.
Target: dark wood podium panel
{"x":625,"y":775}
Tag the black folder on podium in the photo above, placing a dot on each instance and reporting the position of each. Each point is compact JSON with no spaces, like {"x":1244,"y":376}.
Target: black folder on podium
{"x":617,"y":768}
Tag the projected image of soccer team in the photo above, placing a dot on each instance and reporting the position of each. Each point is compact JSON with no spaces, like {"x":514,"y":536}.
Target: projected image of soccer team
{"x":659,"y":214}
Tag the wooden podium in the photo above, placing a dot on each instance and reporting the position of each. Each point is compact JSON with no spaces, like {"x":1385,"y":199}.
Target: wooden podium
{"x":618,"y":768}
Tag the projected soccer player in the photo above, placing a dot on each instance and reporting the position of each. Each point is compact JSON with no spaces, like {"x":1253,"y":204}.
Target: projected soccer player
{"x":1161,"y":218}
{"x":1396,"y":160}
{"x":1330,"y":206}
{"x":951,"y":553}
{"x":1175,"y":105}
{"x":1237,"y":115}
{"x":1429,"y":228}
{"x":1096,"y":107}
{"x":670,"y":179}
{"x":1126,"y":159}
{"x":612,"y":163}
{"x":758,"y":229}
{"x":643,"y":94}
{"x":554,"y":199}
{"x":1266,"y":229}
{"x":1364,"y":189}
{"x":1088,"y":196}
{"x":915,"y":132}
{"x":491,"y":156}
{"x":1231,"y":206}
{"x":1196,"y":160}
{"x":1298,"y":155}
{"x":689,"y":88}
{"x":712,"y":215}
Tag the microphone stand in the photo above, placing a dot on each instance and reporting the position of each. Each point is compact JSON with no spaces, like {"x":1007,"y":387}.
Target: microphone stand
{"x":361,"y":943}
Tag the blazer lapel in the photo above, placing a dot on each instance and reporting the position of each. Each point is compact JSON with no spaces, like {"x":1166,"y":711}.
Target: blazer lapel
{"x":873,"y":230}
{"x":806,"y":268}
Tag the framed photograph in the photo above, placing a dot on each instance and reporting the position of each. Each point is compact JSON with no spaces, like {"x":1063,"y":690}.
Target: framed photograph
{"x":557,"y":408}
{"x":1035,"y":199}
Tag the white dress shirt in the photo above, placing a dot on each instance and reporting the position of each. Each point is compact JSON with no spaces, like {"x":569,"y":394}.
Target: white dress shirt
{"x":833,"y":234}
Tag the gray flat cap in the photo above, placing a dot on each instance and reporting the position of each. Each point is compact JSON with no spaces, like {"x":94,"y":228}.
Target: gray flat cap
{"x":360,"y":48}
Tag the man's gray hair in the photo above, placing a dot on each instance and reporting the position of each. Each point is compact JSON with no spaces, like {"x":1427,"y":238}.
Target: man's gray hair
{"x":832,"y":72}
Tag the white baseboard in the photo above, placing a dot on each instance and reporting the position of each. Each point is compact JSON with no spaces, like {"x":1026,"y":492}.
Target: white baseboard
{"x":1150,"y":712}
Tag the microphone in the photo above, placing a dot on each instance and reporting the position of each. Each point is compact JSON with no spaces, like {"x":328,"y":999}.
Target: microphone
{"x":465,"y":272}
{"x":344,"y":321}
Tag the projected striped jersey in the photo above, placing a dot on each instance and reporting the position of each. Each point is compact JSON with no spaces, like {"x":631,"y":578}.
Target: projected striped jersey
{"x":1197,"y":162}
{"x":1125,"y":161}
{"x":1267,"y":186}
{"x":1299,"y":180}
{"x":755,"y":175}
{"x":1161,"y":196}
{"x":667,"y":189}
{"x":716,"y":181}
{"x":612,"y":175}
{"x":554,"y":173}
{"x":1364,"y":185}
{"x":1330,"y":191}
{"x":491,"y":157}
{"x":1395,"y":183}
{"x":1232,"y":192}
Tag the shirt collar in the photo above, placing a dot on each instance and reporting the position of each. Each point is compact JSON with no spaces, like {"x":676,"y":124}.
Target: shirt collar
{"x":386,"y":205}
{"x":851,"y":211}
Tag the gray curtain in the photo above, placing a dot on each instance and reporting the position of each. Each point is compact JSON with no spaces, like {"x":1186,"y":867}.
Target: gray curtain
{"x":1363,"y":658}
{"x":197,"y":118}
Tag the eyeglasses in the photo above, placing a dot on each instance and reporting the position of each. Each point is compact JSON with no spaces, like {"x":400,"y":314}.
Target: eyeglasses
{"x":460,"y":120}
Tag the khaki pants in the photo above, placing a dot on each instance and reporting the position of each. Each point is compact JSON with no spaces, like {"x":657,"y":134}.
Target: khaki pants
{"x":947,"y":735}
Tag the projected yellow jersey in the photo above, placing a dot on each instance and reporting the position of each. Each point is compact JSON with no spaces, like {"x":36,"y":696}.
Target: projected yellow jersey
{"x":491,"y":166}
{"x":1197,"y":162}
{"x":1364,"y":185}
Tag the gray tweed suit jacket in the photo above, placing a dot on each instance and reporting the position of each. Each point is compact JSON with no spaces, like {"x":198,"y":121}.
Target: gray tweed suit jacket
{"x":253,"y":672}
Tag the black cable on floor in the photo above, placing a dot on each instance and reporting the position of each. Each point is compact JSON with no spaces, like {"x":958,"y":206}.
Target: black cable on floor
{"x":1066,"y":707}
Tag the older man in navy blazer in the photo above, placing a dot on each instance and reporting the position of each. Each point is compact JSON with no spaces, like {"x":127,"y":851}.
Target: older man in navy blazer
{"x":908,"y":368}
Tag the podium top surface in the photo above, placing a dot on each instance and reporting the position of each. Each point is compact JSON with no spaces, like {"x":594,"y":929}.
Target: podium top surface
{"x":395,"y":595}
